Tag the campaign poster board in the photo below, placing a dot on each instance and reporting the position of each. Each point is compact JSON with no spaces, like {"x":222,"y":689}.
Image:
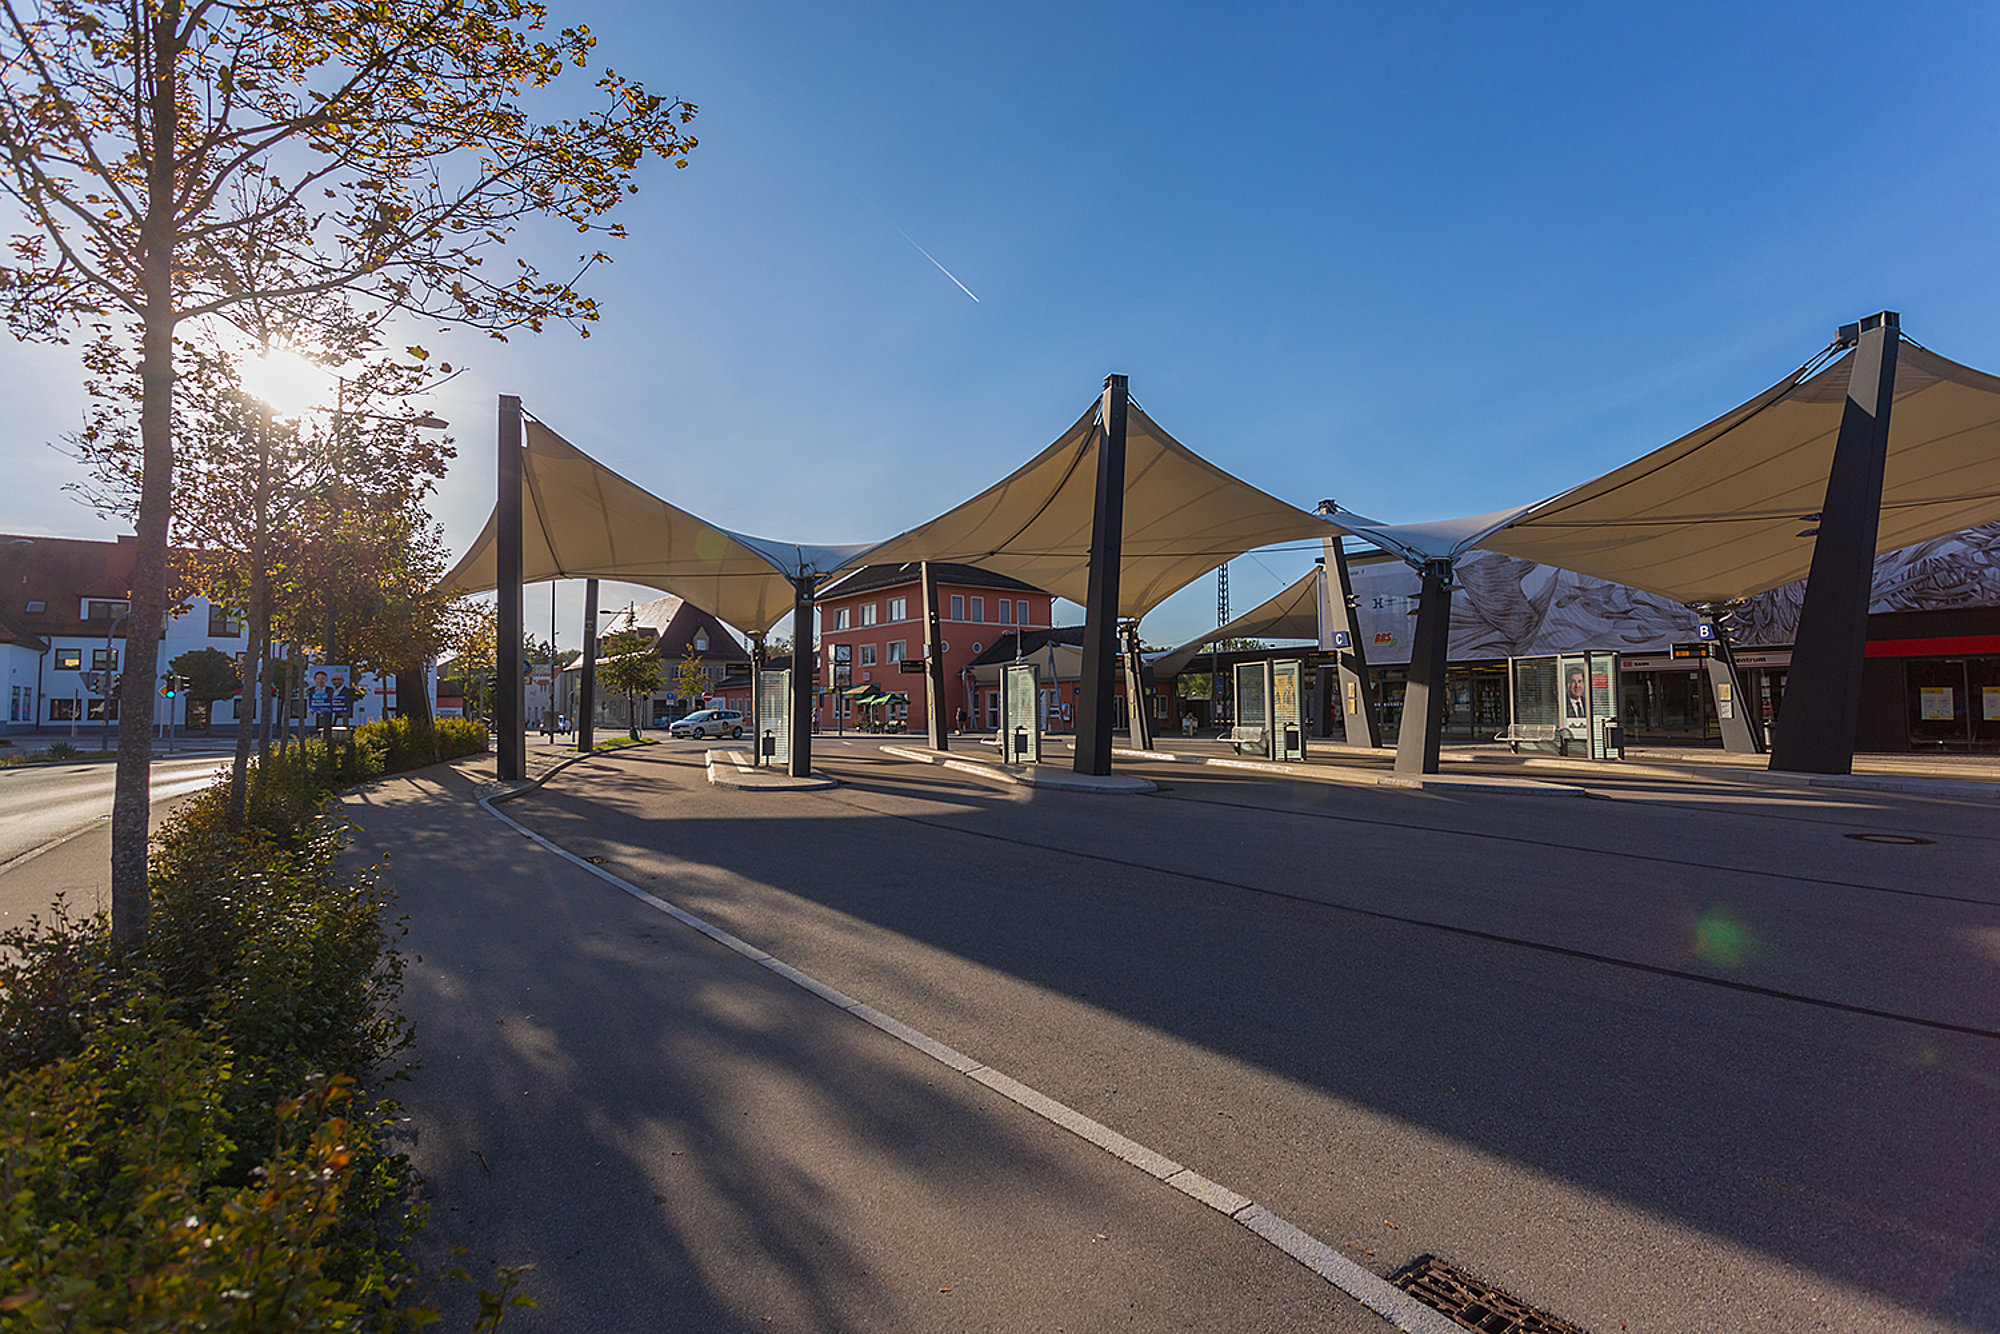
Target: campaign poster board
{"x":329,"y":691}
{"x":1020,"y":729}
{"x":1573,"y":700}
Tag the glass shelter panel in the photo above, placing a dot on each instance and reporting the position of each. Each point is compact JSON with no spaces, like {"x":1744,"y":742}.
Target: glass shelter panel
{"x":1604,"y":705}
{"x":1020,"y":730}
{"x":774,"y":717}
{"x":1288,"y":741}
{"x":1253,"y":707}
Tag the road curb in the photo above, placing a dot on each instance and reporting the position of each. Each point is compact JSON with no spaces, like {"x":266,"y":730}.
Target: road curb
{"x":732,"y":768}
{"x":1027,"y":775}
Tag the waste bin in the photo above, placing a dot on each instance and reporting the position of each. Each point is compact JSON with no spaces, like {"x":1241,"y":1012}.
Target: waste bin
{"x":1611,"y":735}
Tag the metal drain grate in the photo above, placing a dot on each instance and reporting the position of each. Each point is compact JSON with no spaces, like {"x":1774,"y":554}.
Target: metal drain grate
{"x":1473,"y":1303}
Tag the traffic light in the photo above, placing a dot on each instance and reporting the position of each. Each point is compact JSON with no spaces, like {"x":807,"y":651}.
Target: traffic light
{"x":170,"y":686}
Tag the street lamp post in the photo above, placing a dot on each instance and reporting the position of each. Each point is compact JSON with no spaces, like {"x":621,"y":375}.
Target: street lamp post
{"x":110,"y":674}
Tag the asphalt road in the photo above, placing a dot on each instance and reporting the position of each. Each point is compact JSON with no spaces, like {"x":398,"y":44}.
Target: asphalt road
{"x":1687,"y":1056}
{"x":55,"y":829}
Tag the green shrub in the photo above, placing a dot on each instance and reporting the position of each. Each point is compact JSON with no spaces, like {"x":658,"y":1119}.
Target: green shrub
{"x":462,"y":736}
{"x":116,"y":1213}
{"x":182,"y":1141}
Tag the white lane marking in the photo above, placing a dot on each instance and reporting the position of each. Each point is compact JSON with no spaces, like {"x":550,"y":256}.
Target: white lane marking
{"x":163,"y":792}
{"x":1376,"y":1293}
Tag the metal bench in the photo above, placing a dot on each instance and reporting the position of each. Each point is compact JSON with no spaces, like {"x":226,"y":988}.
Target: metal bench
{"x":1542,"y":733}
{"x":1239,"y":737}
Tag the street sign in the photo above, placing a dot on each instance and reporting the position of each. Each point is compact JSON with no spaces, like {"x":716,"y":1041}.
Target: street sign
{"x":1705,"y":630}
{"x":910,"y":666}
{"x":1696,"y":650}
{"x":1341,"y":639}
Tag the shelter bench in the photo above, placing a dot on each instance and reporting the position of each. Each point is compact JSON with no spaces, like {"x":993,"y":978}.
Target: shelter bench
{"x":1517,"y":733}
{"x":1239,"y":737}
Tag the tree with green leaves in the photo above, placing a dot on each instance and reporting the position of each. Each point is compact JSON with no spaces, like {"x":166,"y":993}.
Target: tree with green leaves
{"x":690,"y":676}
{"x":175,"y":161}
{"x":264,"y":523}
{"x":632,"y":668}
{"x":210,"y":675}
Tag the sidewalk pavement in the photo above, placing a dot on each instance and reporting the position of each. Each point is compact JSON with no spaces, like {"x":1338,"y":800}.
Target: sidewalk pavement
{"x":679,"y":1139}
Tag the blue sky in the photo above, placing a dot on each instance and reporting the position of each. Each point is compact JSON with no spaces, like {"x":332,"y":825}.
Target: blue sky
{"x":1425,"y":259}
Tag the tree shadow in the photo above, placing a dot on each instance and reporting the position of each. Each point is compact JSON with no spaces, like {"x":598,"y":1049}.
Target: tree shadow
{"x":1853,"y":1147}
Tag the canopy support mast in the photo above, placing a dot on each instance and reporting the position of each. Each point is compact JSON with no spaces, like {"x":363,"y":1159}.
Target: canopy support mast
{"x":1100,"y":611}
{"x":1424,"y":698}
{"x":1822,"y":706}
{"x":509,"y":706}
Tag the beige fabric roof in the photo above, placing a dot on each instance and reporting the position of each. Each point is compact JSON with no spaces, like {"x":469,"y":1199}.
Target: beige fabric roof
{"x":1183,"y":517}
{"x":580,"y":520}
{"x":1292,"y":614}
{"x":1058,"y":662}
{"x":1717,"y":514}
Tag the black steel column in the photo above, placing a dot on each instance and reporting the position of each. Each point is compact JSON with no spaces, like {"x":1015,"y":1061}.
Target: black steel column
{"x":1742,"y":730}
{"x":1359,"y":725}
{"x":1136,"y":699}
{"x":1423,"y":701}
{"x":509,"y":705}
{"x":934,"y":701}
{"x":1822,"y":704}
{"x":757,"y":658}
{"x":1100,"y":610}
{"x":804,"y":678}
{"x":586,"y":710}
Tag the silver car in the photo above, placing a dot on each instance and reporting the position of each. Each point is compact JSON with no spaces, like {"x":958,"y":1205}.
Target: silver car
{"x":707,"y":723}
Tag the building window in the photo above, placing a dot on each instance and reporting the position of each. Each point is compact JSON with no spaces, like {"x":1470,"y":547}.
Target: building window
{"x":1006,"y":612}
{"x":104,"y":660}
{"x":840,"y":619}
{"x":978,"y":647}
{"x":69,"y":659}
{"x":36,"y":606}
{"x":979,"y":609}
{"x":63,"y":711}
{"x":899,"y":609}
{"x":897,"y":648}
{"x":867,"y":655}
{"x":1022,"y":608}
{"x":102,"y":609}
{"x":94,"y":710}
{"x":993,"y":711}
{"x":867,"y":614}
{"x":219,"y":624}
{"x":701,"y":641}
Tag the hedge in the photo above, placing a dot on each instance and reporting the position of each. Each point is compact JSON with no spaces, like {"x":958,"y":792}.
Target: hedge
{"x":186,"y":1139}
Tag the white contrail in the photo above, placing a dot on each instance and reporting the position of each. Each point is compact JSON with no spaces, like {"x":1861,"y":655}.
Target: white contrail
{"x":933,"y":259}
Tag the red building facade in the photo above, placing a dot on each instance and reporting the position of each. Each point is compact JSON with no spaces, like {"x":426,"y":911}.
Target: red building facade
{"x":873,"y":620}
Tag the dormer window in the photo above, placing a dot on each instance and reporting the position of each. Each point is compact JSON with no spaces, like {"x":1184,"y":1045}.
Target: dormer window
{"x":104,"y":609}
{"x":701,"y":641}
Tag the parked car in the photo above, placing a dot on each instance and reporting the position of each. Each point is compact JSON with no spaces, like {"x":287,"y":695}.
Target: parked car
{"x":708,"y":722}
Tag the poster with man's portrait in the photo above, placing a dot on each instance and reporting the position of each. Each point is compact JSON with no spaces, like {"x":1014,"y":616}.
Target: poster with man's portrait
{"x":328,"y":692}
